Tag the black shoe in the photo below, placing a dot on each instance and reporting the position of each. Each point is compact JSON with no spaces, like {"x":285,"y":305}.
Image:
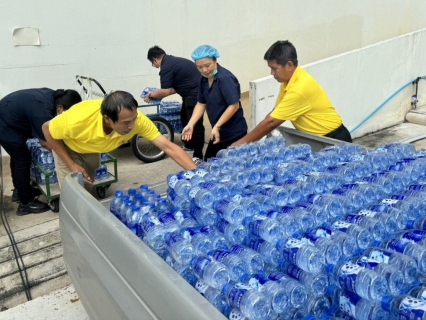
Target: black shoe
{"x":15,"y":195}
{"x":34,"y":206}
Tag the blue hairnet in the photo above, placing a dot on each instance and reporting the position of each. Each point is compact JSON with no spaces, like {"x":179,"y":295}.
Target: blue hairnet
{"x":204,"y":51}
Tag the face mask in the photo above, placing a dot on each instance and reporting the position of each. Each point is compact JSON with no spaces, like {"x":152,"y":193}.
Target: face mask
{"x":214,"y":73}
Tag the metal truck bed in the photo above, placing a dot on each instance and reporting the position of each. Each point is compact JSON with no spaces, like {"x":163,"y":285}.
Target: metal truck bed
{"x":115,"y":274}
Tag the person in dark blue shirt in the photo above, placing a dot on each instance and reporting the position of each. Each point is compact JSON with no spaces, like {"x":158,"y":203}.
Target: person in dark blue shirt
{"x":179,"y":75}
{"x":22,"y":115}
{"x":219,"y":95}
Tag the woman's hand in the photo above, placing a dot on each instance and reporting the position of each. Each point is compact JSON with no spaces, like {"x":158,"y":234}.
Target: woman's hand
{"x":147,"y":98}
{"x":215,"y":137}
{"x":187,"y":133}
{"x":76,"y":168}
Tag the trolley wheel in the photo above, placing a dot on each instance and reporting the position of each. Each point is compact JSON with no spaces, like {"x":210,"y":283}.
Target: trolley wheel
{"x":54,"y":205}
{"x":146,"y":151}
{"x":101,"y":191}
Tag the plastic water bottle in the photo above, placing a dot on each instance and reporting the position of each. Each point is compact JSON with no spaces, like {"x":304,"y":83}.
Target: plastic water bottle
{"x":264,"y":227}
{"x":400,"y":216}
{"x":391,"y":224}
{"x":315,"y":283}
{"x":347,"y":242}
{"x":288,"y":221}
{"x":401,"y":261}
{"x":103,"y":172}
{"x":317,"y":305}
{"x":234,"y":233}
{"x":184,"y":218}
{"x":361,"y":234}
{"x":355,"y":306}
{"x":126,"y":211}
{"x":153,"y":231}
{"x":214,"y":296}
{"x":394,"y":277}
{"x":179,"y":248}
{"x":332,"y":250}
{"x":252,"y":258}
{"x":413,"y":250}
{"x":179,"y":185}
{"x":230,"y":211}
{"x":418,"y":292}
{"x":200,"y":242}
{"x":372,"y":192}
{"x":212,"y":167}
{"x":404,"y":307}
{"x":376,"y":227}
{"x":419,"y":224}
{"x":201,"y":197}
{"x":214,"y":273}
{"x":179,"y":202}
{"x":204,"y":216}
{"x":306,"y":219}
{"x":296,"y":292}
{"x":218,"y":239}
{"x":356,"y":199}
{"x":266,"y":174}
{"x":266,"y":204}
{"x":268,"y":251}
{"x":115,"y":203}
{"x":185,"y":271}
{"x":254,"y":176}
{"x":218,"y":189}
{"x":301,"y":254}
{"x":366,"y":283}
{"x":236,"y":266}
{"x":252,"y":303}
{"x":275,"y":292}
{"x":143,"y":189}
{"x":335,"y":206}
{"x":250,"y":204}
{"x":134,"y":219}
{"x":169,"y":222}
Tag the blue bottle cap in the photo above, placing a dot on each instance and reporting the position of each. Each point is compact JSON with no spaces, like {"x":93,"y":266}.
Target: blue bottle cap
{"x":118,"y":193}
{"x":386,"y":303}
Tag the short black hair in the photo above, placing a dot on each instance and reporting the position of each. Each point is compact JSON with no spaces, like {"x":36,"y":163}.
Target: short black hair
{"x":282,"y":52}
{"x":155,"y":52}
{"x":114,"y":102}
{"x":66,"y":98}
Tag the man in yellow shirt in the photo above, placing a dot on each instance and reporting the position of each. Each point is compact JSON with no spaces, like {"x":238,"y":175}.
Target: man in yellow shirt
{"x":91,"y":127}
{"x":301,"y":100}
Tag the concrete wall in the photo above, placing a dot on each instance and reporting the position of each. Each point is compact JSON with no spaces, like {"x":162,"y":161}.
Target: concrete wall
{"x":359,"y":81}
{"x":108,"y":40}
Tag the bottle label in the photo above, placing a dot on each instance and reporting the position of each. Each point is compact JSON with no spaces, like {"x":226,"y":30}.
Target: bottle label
{"x":201,"y":172}
{"x":380,"y":256}
{"x":276,"y":276}
{"x":341,"y":225}
{"x":171,"y":182}
{"x":236,"y":294}
{"x":294,"y":271}
{"x":411,"y":308}
{"x":255,"y":223}
{"x":173,"y":239}
{"x":398,"y":197}
{"x":348,"y":302}
{"x":367,"y":213}
{"x":188,"y":233}
{"x":368,"y":263}
{"x":201,"y":286}
{"x":219,"y":255}
{"x":332,"y":169}
{"x":313,"y":198}
{"x":237,"y":198}
{"x":350,"y":186}
{"x":207,"y":230}
{"x":311,"y":238}
{"x":413,"y":237}
{"x":397,"y":245}
{"x":323,"y":232}
{"x":235,"y":314}
{"x":166,"y":218}
{"x":291,"y":248}
{"x":303,"y":205}
{"x":193,"y":192}
{"x":150,"y":223}
{"x":201,"y":264}
{"x":355,"y":219}
{"x":256,"y":281}
{"x":389,"y":202}
{"x":208,"y":185}
{"x":181,"y":215}
{"x":379,"y":208}
{"x":221,"y":225}
{"x":256,"y":244}
{"x":339,"y":192}
{"x":221,"y":205}
{"x":347,"y":276}
{"x":237,"y":249}
{"x":287,"y":209}
{"x":187,"y":175}
{"x":416,"y":187}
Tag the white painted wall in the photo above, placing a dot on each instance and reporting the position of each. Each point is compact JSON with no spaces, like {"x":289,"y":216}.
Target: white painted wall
{"x":359,"y":81}
{"x":108,"y":40}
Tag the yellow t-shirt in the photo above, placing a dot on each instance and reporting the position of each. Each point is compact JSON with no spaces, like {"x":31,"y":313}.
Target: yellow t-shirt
{"x":82,"y":131}
{"x":303,"y":102}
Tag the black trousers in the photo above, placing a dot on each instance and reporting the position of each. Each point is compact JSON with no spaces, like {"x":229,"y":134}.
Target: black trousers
{"x":20,"y":163}
{"x":341,"y":133}
{"x":197,"y":141}
{"x":213,"y":149}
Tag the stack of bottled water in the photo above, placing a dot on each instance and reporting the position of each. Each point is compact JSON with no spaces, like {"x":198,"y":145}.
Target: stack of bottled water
{"x":270,"y":231}
{"x":170,"y":110}
{"x":145,"y":93}
{"x":101,"y":173}
{"x":44,"y":158}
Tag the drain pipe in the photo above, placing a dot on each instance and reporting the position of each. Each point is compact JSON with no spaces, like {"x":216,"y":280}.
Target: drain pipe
{"x":414,"y":103}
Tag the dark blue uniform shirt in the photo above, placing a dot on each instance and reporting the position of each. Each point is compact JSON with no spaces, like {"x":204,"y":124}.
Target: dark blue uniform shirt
{"x":180,"y":74}
{"x":23,"y":113}
{"x":225,"y":91}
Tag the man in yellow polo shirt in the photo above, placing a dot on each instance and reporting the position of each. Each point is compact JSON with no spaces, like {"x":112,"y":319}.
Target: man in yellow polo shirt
{"x":91,"y":127}
{"x":301,"y":100}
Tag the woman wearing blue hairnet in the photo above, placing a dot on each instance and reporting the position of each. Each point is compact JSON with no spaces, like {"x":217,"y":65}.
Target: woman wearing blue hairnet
{"x":219,"y":94}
